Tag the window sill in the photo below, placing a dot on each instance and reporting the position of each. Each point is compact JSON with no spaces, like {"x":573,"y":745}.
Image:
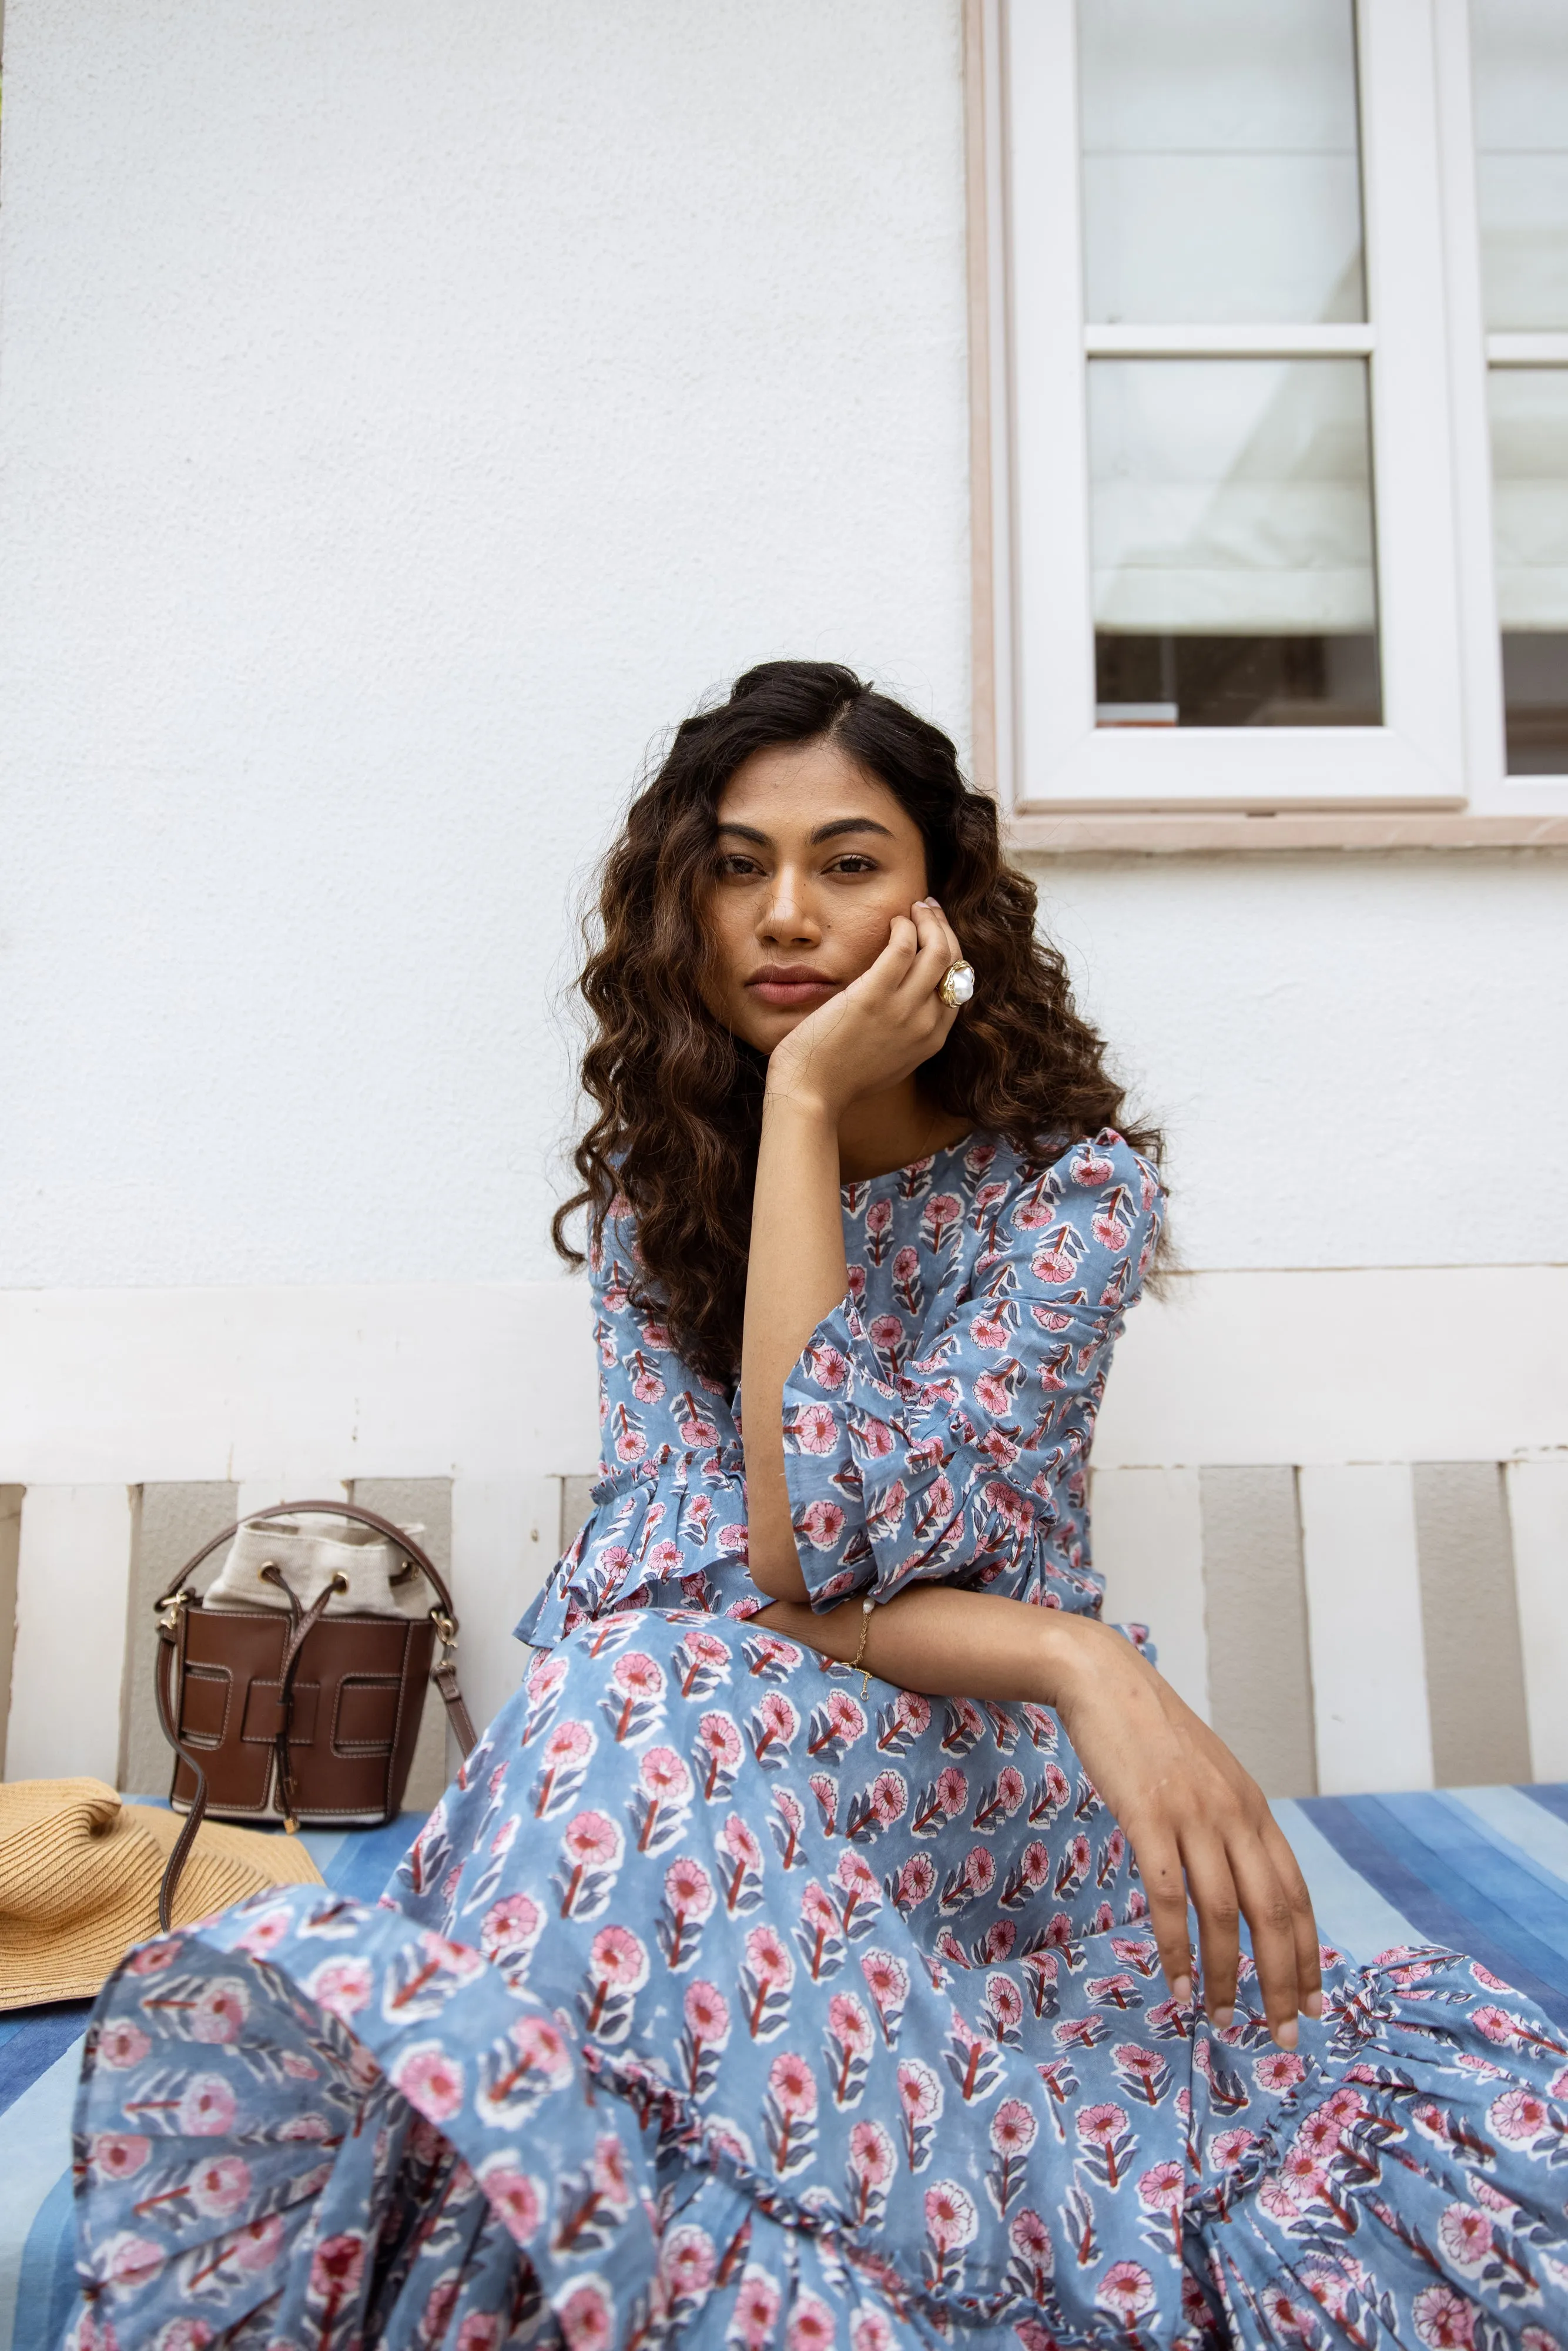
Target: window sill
{"x":1079,"y":835}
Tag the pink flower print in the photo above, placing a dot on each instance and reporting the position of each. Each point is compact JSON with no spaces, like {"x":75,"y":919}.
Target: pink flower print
{"x":810,"y":2325}
{"x":886,"y":1334}
{"x":826,"y":1365}
{"x":951,"y":2223}
{"x":1504,"y":2031}
{"x":665,"y":1559}
{"x":776,"y":1722}
{"x":979,"y":1869}
{"x":740,"y":1844}
{"x":1519,"y":2115}
{"x":688,"y":1889}
{"x":1030,"y":2238}
{"x":1444,"y":2320}
{"x":993,"y":1393}
{"x":733,"y":1540}
{"x":1227,"y":2147}
{"x":335,"y":2268}
{"x":916,"y":1883}
{"x":121,"y":2045}
{"x":220,"y":2187}
{"x":183,"y":2334}
{"x":118,"y":2155}
{"x":812,"y":1428}
{"x":1279,"y":2070}
{"x":756,"y":2308}
{"x":637,"y":1675}
{"x":480,"y":2331}
{"x":825,"y":1789}
{"x":1005,"y":2001}
{"x":1034,"y":1866}
{"x":1162,"y":2188}
{"x":889,"y":1799}
{"x":911,"y":1714}
{"x":1013,"y":2129}
{"x":870,"y":2330}
{"x":617,"y":1962}
{"x":876,"y":1438}
{"x":940,"y":1219}
{"x":952,"y":1790}
{"x":849,"y":2023}
{"x":129,"y":2261}
{"x":152,"y":1958}
{"x":687,"y":2262}
{"x":1127,"y":2291}
{"x":592,"y":1840}
{"x":587,"y":2317}
{"x":997,"y":1941}
{"x":720,"y":1738}
{"x":510,"y":1927}
{"x":263,"y":1934}
{"x":851,"y":1874}
{"x":1465,"y":2236}
{"x":208,"y":2108}
{"x":343,"y":1987}
{"x":821,"y":1524}
{"x":1100,"y":2126}
{"x":1300,"y":2176}
{"x":771,"y":1968}
{"x":707,"y":2013}
{"x":429,"y":2080}
{"x":872,"y":2154}
{"x":843,"y":1722}
{"x":517,"y":2199}
{"x":255,"y":2247}
{"x":793,"y":2085}
{"x":919,"y":2091}
{"x":665,"y":1777}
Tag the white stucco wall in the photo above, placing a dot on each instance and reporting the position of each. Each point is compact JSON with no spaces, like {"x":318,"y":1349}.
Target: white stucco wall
{"x":408,"y":409}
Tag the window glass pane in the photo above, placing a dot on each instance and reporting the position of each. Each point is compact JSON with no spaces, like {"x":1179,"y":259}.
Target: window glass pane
{"x":1221,"y":170}
{"x":1520,"y":77}
{"x":1530,"y":511}
{"x":1231,"y":533}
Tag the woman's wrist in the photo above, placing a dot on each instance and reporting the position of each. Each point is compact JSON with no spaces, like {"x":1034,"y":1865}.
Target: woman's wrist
{"x":788,"y":1092}
{"x":1068,"y":1648}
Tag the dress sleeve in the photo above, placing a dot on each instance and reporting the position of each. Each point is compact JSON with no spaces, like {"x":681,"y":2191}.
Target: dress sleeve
{"x":952,"y":1470}
{"x":668,"y":1525}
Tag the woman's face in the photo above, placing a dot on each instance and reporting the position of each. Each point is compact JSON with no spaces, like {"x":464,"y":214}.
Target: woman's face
{"x":813,"y":859}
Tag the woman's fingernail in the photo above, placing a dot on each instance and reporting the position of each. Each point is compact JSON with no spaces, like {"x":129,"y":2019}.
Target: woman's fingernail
{"x":1181,"y":1990}
{"x":1285,"y":2034}
{"x":1223,"y":2019}
{"x":1314,"y":2005}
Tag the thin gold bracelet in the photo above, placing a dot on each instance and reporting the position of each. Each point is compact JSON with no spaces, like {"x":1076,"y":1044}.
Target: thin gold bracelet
{"x":867,"y":1607}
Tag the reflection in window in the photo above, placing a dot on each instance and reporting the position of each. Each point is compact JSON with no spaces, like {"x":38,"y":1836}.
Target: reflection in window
{"x":1232,"y":543}
{"x":1221,"y":167}
{"x":1520,"y":50}
{"x":1530,"y":520}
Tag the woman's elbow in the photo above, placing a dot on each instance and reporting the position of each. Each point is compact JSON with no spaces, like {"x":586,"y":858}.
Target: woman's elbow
{"x":777,"y":1574}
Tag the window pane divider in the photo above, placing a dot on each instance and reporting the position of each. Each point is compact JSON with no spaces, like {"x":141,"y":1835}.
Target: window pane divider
{"x":1528,"y":350}
{"x":1180,"y":341}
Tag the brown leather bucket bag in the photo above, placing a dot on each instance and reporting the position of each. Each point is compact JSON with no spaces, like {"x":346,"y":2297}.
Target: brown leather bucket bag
{"x":292,"y":1714}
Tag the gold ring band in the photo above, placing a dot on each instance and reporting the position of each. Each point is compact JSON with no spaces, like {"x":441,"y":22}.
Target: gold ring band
{"x":958,"y":984}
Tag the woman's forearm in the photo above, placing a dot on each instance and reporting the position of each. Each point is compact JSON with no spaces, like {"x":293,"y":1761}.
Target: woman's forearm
{"x":796,"y":1275}
{"x":947,"y":1642}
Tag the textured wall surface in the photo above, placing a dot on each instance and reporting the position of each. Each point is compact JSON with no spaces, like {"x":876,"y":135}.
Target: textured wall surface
{"x":408,"y":411}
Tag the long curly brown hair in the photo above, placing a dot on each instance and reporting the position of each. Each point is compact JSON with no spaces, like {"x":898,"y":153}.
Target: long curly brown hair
{"x":680,"y":1097}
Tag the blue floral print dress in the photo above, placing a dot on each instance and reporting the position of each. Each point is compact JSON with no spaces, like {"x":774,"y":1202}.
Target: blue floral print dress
{"x":734,"y":1999}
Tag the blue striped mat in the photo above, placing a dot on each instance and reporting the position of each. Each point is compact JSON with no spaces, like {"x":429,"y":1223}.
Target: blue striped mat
{"x":1482,"y":1870}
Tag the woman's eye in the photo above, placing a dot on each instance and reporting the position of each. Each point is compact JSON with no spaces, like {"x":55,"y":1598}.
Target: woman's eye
{"x":853,"y":864}
{"x":733,"y":862}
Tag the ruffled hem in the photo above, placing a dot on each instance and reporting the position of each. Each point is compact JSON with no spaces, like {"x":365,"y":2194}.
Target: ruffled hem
{"x":446,"y":2147}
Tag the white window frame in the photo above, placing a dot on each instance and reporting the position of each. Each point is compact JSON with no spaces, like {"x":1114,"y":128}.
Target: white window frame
{"x":1441,"y":747}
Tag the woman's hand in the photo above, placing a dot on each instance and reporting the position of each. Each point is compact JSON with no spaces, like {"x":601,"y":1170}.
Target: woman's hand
{"x":1197,"y":1822}
{"x":878,"y":1029}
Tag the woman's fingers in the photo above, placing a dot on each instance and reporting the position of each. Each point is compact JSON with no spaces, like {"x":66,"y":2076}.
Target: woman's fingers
{"x":1267,"y":1914}
{"x":1159,"y":1866}
{"x":1214,"y":1898}
{"x":1303,"y":1925}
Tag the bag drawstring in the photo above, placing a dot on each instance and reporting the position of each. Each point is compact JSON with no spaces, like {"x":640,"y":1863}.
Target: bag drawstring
{"x":301,"y":1621}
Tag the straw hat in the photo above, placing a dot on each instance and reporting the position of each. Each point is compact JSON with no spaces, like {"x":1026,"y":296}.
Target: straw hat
{"x":78,"y":1882}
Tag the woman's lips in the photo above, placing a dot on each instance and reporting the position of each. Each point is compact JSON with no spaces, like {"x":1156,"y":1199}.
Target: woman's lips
{"x":790,"y":994}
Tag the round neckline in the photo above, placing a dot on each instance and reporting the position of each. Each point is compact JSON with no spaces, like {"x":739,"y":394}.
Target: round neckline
{"x":926,"y":1159}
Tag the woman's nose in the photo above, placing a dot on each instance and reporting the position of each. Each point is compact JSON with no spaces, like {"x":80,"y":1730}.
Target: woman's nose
{"x":788,"y":913}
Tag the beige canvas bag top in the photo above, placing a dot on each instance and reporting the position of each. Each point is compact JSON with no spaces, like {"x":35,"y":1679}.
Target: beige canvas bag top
{"x":377,"y":1578}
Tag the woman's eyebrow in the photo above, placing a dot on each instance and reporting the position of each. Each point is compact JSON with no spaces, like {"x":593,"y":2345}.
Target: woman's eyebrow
{"x":850,"y":824}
